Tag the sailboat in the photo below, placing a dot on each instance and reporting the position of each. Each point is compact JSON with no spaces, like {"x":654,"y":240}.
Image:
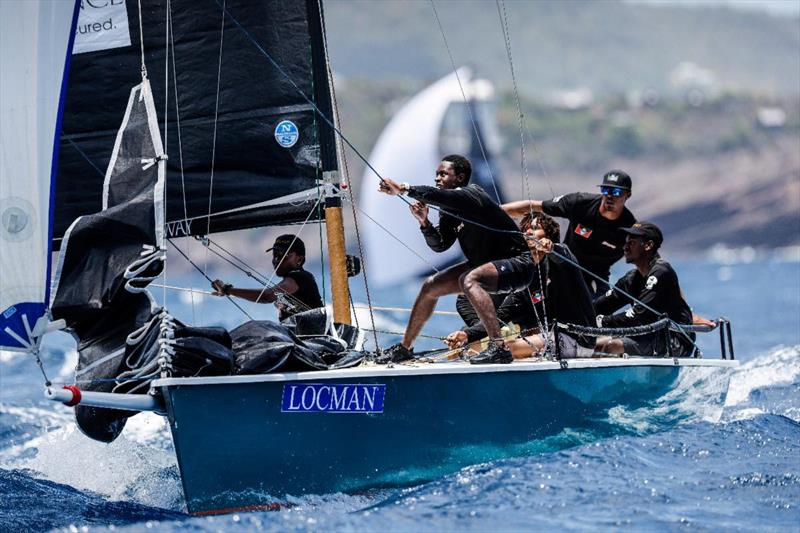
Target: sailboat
{"x":247,"y":99}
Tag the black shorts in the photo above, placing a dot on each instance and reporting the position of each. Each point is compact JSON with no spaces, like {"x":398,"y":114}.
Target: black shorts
{"x":514,"y":273}
{"x":656,"y":345}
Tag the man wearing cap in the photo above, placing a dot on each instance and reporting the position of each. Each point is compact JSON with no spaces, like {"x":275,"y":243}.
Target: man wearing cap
{"x":594,"y":221}
{"x":653,"y":283}
{"x":296,"y":292}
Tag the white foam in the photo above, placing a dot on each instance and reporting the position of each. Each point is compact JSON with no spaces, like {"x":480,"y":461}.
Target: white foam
{"x":781,"y":366}
{"x":123,"y":470}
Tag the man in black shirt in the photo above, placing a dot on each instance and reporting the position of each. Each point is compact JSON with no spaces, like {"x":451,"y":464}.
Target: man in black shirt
{"x":296,"y":292}
{"x":565,"y":299}
{"x":594,"y":221}
{"x":654,"y":283}
{"x":497,"y":257}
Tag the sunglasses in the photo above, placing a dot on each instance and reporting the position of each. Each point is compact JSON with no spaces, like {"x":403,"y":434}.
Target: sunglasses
{"x":615,"y":192}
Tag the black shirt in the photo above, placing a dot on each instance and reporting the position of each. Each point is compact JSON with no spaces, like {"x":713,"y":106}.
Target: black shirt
{"x":659,"y":290}
{"x":596,"y":241}
{"x":480,"y":245}
{"x":566,"y":298}
{"x":306,"y":297}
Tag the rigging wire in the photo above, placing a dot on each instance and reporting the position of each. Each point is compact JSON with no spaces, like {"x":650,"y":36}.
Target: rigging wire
{"x":240,"y":308}
{"x":216,"y":122}
{"x":523,"y":161}
{"x":369,"y":165}
{"x":166,"y":137}
{"x":466,"y":102}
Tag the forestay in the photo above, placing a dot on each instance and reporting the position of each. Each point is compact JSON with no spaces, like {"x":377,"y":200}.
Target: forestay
{"x":35,"y":40}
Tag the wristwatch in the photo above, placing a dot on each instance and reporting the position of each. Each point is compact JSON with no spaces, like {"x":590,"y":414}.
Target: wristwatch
{"x":404,"y":187}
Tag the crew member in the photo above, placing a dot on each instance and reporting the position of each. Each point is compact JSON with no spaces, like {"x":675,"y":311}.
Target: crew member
{"x":296,"y":292}
{"x":653,"y":283}
{"x":594,"y":221}
{"x":497,"y":259}
{"x":565,"y":298}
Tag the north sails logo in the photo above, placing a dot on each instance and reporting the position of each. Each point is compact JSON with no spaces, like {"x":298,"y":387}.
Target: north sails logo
{"x":339,"y":398}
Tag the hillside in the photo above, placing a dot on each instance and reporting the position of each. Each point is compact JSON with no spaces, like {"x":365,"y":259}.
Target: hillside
{"x":608,"y":46}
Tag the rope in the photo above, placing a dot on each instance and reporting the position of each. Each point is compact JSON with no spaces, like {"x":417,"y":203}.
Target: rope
{"x":395,"y":237}
{"x":632,"y":331}
{"x":141,"y":40}
{"x":370,"y":167}
{"x":292,"y":300}
{"x":205,"y":276}
{"x":464,"y":96}
{"x":507,"y":37}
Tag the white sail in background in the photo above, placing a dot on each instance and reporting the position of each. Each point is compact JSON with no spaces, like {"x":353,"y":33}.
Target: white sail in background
{"x":35,"y":39}
{"x":409,"y":149}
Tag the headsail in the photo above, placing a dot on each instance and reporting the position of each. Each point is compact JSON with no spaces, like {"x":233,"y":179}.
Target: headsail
{"x":435,"y":122}
{"x":248,"y":138}
{"x":35,"y":43}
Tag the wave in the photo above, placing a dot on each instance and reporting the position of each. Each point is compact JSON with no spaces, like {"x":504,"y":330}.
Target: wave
{"x":769,"y":383}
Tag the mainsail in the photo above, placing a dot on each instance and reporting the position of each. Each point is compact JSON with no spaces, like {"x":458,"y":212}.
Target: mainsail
{"x":435,"y":122}
{"x":35,"y":43}
{"x":245,"y":146}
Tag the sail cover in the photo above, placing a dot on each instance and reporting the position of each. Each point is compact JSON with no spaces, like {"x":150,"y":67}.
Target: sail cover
{"x":108,"y":258}
{"x":250,"y":147}
{"x":35,"y":39}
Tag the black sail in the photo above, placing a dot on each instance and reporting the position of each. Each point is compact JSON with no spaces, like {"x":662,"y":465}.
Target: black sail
{"x":108,"y":258}
{"x":233,"y":160}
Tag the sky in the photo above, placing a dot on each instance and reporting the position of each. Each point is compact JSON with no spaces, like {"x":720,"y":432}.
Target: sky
{"x":787,"y":8}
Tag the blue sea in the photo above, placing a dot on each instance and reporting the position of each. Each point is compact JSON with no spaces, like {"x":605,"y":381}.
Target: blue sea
{"x":740,"y":472}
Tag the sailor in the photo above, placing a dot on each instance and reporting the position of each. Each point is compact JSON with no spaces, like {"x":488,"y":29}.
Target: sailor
{"x":594,"y":221}
{"x":653,"y":283}
{"x":565,"y":297}
{"x":497,"y":259}
{"x":296,"y":292}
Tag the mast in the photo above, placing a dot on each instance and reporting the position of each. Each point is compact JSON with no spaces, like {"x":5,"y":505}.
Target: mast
{"x":331,"y":158}
{"x":340,"y":290}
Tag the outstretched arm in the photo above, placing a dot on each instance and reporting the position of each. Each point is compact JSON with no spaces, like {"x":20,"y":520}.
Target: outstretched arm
{"x":522,"y":207}
{"x":261,"y":296}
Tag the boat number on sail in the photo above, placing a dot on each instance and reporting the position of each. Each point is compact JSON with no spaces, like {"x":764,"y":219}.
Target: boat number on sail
{"x":286,"y":133}
{"x":338,"y":398}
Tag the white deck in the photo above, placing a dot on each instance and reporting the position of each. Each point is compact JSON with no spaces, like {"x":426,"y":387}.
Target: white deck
{"x":459,"y":367}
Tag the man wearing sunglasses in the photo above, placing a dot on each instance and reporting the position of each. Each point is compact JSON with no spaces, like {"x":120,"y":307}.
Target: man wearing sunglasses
{"x":594,"y":221}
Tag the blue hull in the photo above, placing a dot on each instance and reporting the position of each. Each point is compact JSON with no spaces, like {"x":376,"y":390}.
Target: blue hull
{"x":238,"y":447}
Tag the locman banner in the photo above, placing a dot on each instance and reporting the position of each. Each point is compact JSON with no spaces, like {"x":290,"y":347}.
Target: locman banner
{"x":102,"y":25}
{"x":336,"y":398}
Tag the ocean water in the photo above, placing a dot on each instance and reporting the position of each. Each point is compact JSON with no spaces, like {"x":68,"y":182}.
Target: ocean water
{"x":741,"y":472}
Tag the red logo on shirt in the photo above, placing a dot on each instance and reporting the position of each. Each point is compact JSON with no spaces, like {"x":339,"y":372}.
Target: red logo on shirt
{"x":537,"y":297}
{"x":583,"y":232}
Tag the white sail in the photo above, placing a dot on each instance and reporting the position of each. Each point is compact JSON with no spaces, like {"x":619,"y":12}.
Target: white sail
{"x":35,"y":40}
{"x":409,"y":149}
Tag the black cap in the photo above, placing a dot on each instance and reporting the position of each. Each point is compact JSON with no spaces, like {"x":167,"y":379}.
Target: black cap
{"x":289,"y":243}
{"x":616,"y":178}
{"x":647,"y":230}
